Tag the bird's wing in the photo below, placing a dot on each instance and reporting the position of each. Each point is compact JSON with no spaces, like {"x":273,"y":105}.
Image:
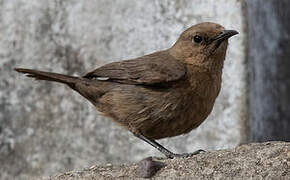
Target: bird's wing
{"x":156,"y":68}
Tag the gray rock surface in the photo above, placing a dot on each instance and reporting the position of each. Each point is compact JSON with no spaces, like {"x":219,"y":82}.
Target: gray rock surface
{"x":47,"y":128}
{"x":270,"y":160}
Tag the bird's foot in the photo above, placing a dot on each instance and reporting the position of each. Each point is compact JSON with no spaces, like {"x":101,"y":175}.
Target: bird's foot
{"x":185,"y":155}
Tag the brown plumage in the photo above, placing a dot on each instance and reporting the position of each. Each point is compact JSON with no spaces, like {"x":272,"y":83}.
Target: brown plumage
{"x":159,"y":95}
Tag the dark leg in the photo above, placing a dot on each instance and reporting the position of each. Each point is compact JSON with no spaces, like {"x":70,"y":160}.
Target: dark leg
{"x":165,"y":151}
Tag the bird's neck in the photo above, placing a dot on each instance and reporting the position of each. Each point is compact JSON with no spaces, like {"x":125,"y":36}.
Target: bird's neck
{"x":212,"y":63}
{"x":208,"y":65}
{"x":205,"y":82}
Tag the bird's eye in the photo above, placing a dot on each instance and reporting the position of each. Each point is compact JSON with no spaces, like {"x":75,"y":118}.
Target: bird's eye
{"x":197,"y":39}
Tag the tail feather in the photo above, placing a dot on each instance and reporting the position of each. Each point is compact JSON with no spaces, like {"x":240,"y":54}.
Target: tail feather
{"x":48,"y":76}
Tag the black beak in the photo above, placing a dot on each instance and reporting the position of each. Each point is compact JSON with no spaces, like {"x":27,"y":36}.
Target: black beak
{"x":225,"y":34}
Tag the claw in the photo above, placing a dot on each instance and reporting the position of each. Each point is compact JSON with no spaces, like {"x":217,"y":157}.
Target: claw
{"x":185,"y":155}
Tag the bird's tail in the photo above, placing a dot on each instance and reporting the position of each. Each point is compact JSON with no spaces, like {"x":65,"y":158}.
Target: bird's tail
{"x":49,"y":76}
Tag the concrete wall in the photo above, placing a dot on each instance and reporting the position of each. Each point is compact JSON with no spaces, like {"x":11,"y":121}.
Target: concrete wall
{"x":269,"y":64}
{"x":46,"y":128}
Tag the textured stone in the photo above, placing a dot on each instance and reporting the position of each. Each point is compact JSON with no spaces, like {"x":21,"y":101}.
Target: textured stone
{"x":47,"y":128}
{"x":270,"y":160}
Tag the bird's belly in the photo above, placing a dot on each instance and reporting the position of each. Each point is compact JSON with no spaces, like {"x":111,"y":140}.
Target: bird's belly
{"x":156,"y":114}
{"x":187,"y":115}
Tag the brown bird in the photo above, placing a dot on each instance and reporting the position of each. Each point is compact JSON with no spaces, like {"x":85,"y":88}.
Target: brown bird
{"x":163,"y":94}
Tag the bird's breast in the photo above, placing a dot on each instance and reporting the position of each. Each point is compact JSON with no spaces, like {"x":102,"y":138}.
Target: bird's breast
{"x":203,"y":90}
{"x":183,"y":109}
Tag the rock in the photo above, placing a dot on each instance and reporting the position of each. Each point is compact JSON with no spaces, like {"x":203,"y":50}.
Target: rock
{"x":269,"y":160}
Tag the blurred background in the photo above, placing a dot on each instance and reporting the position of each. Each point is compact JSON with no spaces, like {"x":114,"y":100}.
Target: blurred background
{"x":46,"y":128}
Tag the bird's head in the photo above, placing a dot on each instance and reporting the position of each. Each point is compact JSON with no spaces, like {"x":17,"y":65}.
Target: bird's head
{"x":202,"y":44}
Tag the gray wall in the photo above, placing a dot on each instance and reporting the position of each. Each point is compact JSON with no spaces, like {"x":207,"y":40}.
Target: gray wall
{"x":269,"y":67}
{"x":47,"y":128}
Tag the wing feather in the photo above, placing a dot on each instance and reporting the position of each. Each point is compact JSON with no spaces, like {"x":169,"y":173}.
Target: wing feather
{"x":151,"y":69}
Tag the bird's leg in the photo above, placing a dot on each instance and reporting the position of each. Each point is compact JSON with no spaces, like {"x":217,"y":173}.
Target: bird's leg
{"x":158,"y":146}
{"x":165,"y":151}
